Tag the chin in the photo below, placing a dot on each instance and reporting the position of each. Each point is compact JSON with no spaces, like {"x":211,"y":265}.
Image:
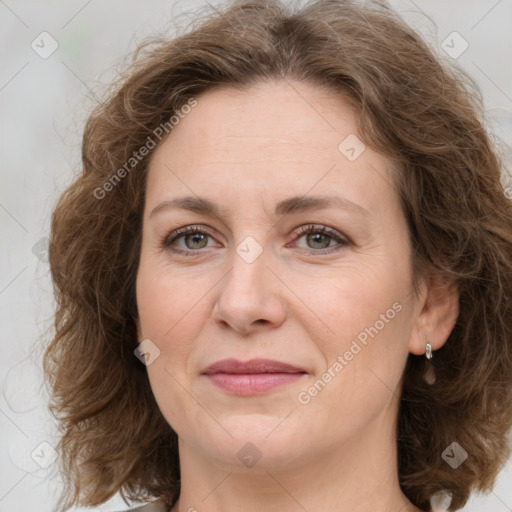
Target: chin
{"x":256,"y":442}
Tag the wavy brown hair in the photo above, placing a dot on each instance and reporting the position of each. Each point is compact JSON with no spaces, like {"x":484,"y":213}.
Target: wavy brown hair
{"x":425,"y":116}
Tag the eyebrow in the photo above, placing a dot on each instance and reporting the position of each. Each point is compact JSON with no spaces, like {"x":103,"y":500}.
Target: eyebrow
{"x":295,"y":204}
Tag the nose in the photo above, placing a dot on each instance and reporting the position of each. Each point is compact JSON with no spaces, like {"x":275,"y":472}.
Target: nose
{"x":250,"y":297}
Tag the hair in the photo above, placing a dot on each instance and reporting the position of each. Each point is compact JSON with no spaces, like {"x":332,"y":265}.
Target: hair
{"x":427,"y":117}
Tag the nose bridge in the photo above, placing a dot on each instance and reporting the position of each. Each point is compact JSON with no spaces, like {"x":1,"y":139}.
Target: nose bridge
{"x":249,"y":294}
{"x":249,"y":273}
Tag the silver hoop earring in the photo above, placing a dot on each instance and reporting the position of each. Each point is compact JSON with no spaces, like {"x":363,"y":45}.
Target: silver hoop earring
{"x":428,"y":351}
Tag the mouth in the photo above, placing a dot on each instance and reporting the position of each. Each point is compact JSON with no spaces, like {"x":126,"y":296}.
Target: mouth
{"x":253,"y":377}
{"x":252,"y":383}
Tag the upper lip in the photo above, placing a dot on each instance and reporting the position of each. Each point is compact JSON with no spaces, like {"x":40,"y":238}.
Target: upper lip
{"x":251,"y":366}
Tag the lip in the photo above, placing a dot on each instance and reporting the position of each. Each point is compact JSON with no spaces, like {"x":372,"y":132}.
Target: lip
{"x":252,"y":377}
{"x":251,"y":366}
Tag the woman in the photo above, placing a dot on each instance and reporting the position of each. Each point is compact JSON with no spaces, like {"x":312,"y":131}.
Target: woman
{"x":283,"y":276}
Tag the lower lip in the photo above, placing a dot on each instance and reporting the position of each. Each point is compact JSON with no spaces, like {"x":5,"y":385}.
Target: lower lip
{"x":252,"y":383}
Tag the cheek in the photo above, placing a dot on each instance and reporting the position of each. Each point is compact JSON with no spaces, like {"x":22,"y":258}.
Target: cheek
{"x":367,"y":313}
{"x":169,"y":319}
{"x":364,"y":359}
{"x":171,"y":315}
{"x":354,"y":298}
{"x":166,"y":303}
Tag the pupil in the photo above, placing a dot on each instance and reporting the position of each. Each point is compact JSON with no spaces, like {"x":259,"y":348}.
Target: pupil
{"x":197,"y":238}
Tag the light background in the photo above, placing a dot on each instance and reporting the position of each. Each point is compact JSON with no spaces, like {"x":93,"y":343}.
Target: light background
{"x":43,"y":104}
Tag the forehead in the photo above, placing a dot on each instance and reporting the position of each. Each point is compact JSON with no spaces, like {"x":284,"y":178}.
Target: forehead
{"x":277,"y":111}
{"x":266,"y":140}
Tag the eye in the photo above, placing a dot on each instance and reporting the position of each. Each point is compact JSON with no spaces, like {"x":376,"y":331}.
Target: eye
{"x":192,"y":237}
{"x":189,"y":240}
{"x":321,"y":238}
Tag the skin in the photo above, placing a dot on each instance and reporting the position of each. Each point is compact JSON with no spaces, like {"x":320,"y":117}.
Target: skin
{"x":296,"y":303}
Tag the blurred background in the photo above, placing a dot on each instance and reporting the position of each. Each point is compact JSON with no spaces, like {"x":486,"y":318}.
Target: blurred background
{"x":56,"y":59}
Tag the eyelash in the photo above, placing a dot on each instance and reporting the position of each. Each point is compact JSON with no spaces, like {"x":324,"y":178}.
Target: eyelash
{"x":304,"y":230}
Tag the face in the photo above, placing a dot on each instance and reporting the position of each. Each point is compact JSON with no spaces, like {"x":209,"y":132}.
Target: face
{"x":274,"y":272}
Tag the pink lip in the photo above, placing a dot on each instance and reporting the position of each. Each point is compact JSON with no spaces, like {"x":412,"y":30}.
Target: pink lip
{"x":252,"y":377}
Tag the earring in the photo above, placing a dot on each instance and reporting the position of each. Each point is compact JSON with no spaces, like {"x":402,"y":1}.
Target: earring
{"x":428,"y":351}
{"x":430,"y":374}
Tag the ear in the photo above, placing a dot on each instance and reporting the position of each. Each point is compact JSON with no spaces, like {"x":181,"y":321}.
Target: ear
{"x":436,"y":314}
